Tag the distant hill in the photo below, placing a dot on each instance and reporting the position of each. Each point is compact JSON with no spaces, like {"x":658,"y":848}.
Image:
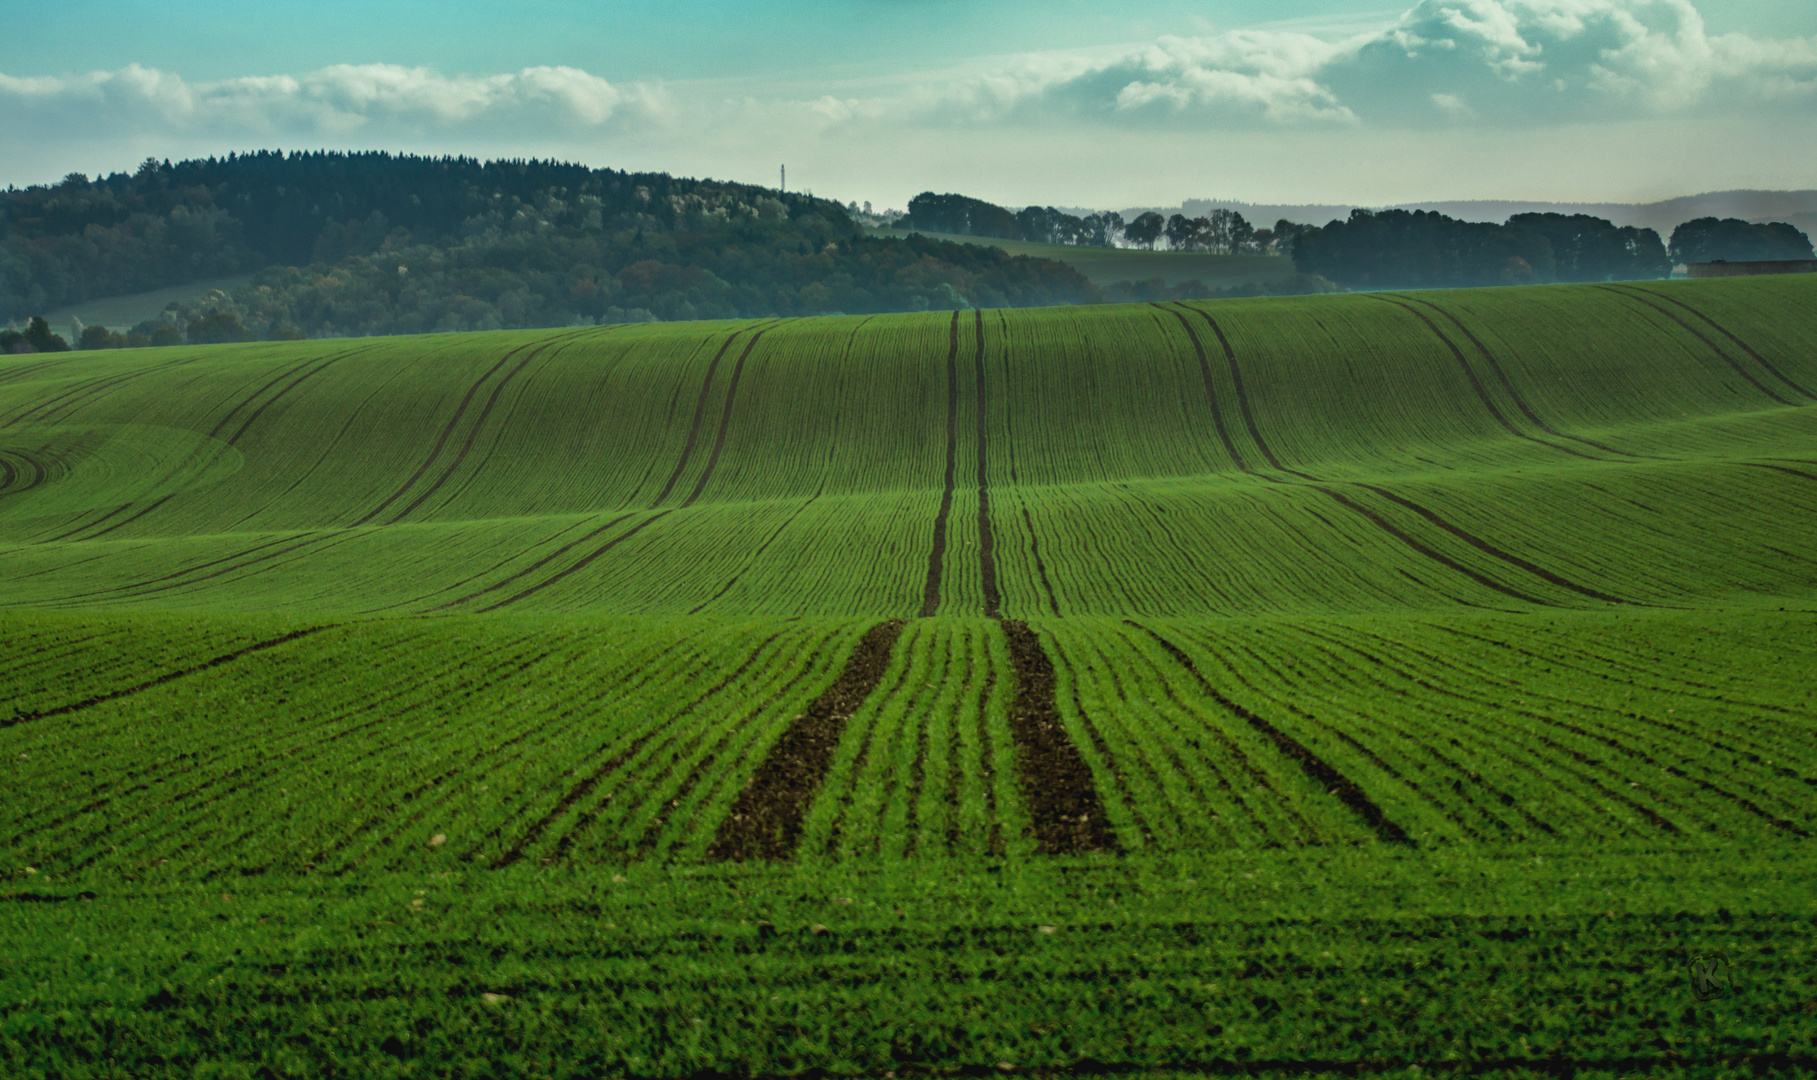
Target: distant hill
{"x":1795,"y":207}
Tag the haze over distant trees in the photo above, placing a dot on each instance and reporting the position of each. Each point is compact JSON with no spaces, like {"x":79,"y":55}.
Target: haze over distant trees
{"x":1733,"y":240}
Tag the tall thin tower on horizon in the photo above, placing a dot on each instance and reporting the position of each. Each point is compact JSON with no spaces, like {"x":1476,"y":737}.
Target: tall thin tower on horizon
{"x":784,"y":187}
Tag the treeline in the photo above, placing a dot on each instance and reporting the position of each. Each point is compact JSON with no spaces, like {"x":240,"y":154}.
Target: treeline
{"x":1221,"y":231}
{"x":376,"y":243}
{"x":1397,"y":249}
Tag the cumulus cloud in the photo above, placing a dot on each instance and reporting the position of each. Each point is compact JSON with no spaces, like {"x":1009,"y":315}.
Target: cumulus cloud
{"x":378,"y":99}
{"x":1444,"y":61}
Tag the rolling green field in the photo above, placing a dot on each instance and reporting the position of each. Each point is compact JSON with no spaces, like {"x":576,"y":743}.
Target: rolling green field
{"x":1377,"y":684}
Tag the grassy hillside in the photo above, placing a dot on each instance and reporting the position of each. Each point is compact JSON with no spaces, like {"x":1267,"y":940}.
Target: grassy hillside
{"x":1107,"y":266}
{"x":1376,"y":683}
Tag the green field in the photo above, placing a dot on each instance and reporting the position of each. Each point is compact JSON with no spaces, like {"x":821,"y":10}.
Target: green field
{"x":1376,"y":684}
{"x":1108,"y":266}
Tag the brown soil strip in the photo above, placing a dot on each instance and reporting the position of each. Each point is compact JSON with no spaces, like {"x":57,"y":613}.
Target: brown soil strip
{"x":1315,"y":769}
{"x":1490,"y":549}
{"x":1034,"y":542}
{"x":725,"y":420}
{"x":115,"y":695}
{"x":936,"y":559}
{"x":1508,"y":385}
{"x":1724,"y":331}
{"x":580,"y":791}
{"x":987,"y":547}
{"x":583,"y":562}
{"x":766,"y":819}
{"x":1700,"y":336}
{"x":1236,"y":379}
{"x":1476,"y":384}
{"x":1130,"y":805}
{"x":1211,"y":391}
{"x":700,"y":412}
{"x":1057,"y":785}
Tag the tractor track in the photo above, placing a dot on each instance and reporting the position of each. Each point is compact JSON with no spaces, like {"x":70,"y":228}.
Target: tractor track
{"x":1315,"y":769}
{"x":1734,"y":365}
{"x":1724,"y":331}
{"x":765,"y":820}
{"x":936,"y":559}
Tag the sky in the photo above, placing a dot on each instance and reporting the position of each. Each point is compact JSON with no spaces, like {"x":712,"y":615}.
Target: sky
{"x":1110,"y":104}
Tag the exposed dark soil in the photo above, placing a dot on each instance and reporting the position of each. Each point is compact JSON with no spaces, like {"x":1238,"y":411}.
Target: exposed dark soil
{"x":987,"y":545}
{"x":1316,"y":769}
{"x":936,"y":559}
{"x":1056,"y":783}
{"x":766,"y":819}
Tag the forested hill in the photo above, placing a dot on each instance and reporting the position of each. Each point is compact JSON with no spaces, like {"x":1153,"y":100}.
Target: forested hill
{"x":375,"y":243}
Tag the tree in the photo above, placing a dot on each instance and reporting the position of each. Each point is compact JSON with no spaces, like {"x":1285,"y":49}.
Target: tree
{"x":1587,"y":248}
{"x":1734,"y":240}
{"x":38,"y":335}
{"x":1145,"y":229}
{"x":1421,"y":249}
{"x":218,"y":329}
{"x":100,"y":337}
{"x":1181,"y":230}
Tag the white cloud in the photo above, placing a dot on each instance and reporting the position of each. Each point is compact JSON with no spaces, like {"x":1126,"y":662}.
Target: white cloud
{"x":1443,"y":61}
{"x":377,"y":99}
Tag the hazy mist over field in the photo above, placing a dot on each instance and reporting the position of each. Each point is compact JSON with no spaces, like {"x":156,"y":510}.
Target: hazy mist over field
{"x":1071,"y":103}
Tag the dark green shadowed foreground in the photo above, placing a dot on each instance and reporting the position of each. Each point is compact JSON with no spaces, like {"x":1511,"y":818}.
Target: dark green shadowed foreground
{"x":1391,"y":683}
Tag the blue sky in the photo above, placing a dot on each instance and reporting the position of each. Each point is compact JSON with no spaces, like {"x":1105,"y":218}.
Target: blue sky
{"x":1067,"y":102}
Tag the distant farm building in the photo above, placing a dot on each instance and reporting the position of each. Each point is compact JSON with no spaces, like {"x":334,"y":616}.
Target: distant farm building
{"x":1749,"y":269}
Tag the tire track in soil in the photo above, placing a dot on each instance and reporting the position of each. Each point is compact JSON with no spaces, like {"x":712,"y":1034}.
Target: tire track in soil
{"x":1520,"y":402}
{"x":1130,"y":805}
{"x":646,"y":844}
{"x":1734,"y":365}
{"x":1315,"y":769}
{"x":1576,"y":755}
{"x":758,"y":554}
{"x":587,"y":786}
{"x":580,"y":564}
{"x":725,"y":420}
{"x":215,"y":434}
{"x":1621,"y":747}
{"x":1315,"y":482}
{"x":1170,"y":750}
{"x":1034,"y":542}
{"x":1723,"y":330}
{"x":700,"y":412}
{"x":479,"y":424}
{"x":115,"y":695}
{"x":936,"y":559}
{"x":1476,"y":384}
{"x":1057,"y":785}
{"x":1211,"y":390}
{"x":765,"y":821}
{"x":987,"y":547}
{"x":448,"y":430}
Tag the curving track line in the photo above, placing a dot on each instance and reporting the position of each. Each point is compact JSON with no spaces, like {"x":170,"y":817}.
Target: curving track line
{"x":1724,"y":331}
{"x":1520,"y":402}
{"x":1700,"y":336}
{"x":987,"y":545}
{"x":725,"y":420}
{"x":1476,"y":384}
{"x":1414,"y":544}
